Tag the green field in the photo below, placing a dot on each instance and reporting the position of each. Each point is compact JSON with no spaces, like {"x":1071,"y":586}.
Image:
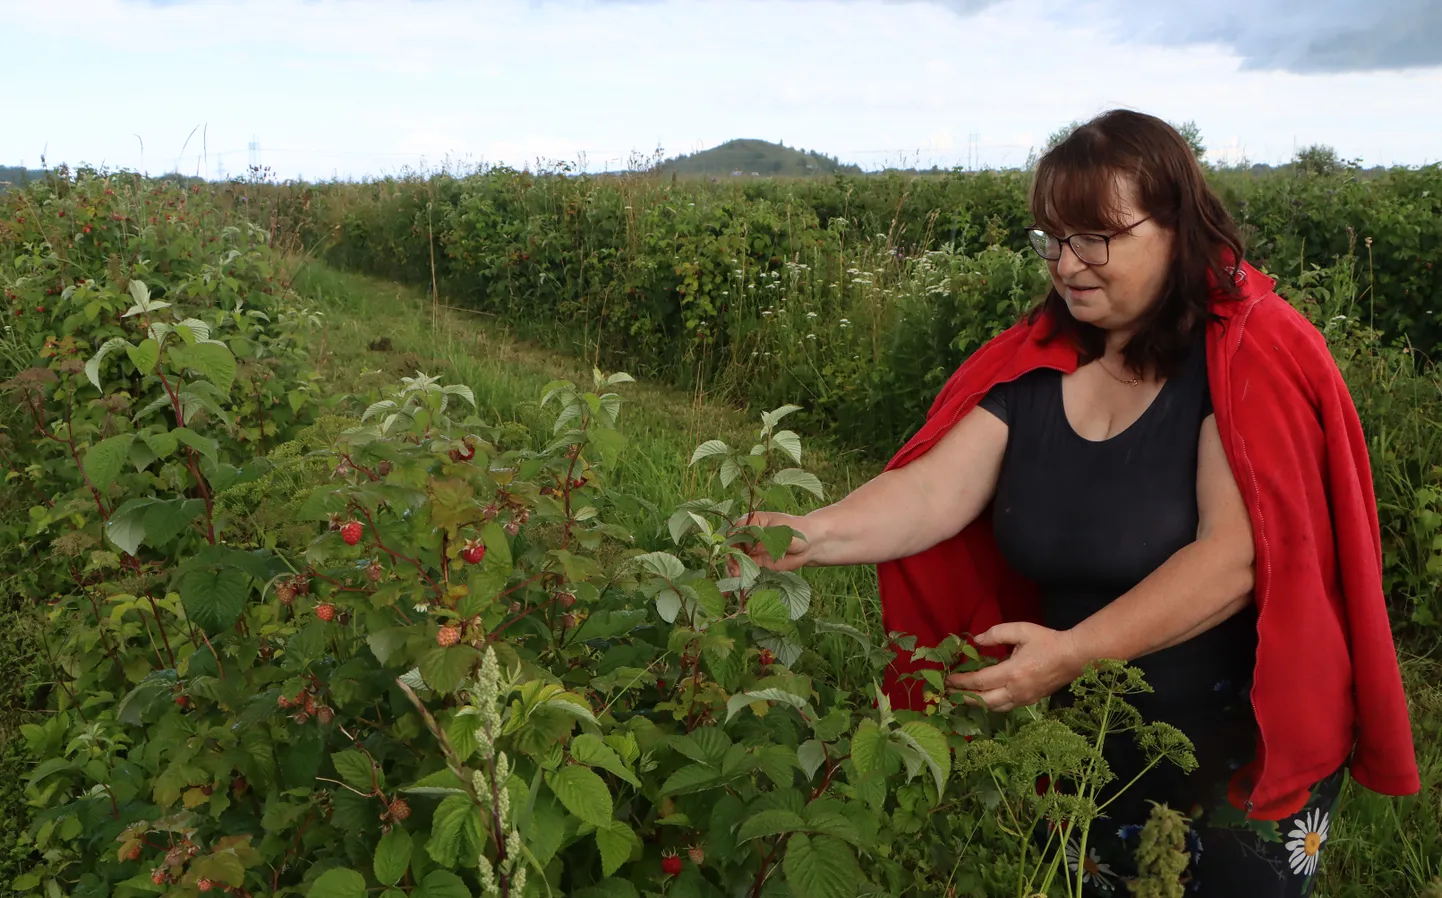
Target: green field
{"x":199,"y":662}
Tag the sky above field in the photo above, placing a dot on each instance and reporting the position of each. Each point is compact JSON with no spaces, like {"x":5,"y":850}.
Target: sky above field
{"x":351,"y":88}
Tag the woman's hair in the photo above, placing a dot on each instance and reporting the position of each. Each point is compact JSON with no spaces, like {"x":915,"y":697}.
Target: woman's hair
{"x":1076,"y":184}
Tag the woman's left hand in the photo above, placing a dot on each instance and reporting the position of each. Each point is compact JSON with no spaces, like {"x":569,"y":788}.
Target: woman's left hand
{"x":1042,"y":662}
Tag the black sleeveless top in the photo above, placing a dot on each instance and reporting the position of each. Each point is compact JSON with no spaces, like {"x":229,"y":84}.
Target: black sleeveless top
{"x":1088,"y":520}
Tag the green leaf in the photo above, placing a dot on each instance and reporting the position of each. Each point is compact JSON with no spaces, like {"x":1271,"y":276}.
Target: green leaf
{"x":778,"y":762}
{"x":799,"y":478}
{"x":771,"y":418}
{"x":214,"y":361}
{"x":769,"y":823}
{"x":144,"y":356}
{"x":708,"y":449}
{"x":338,"y":882}
{"x":92,"y":367}
{"x":162,"y":444}
{"x":766,"y":609}
{"x":204,"y":445}
{"x":442,"y":884}
{"x":691,"y":778}
{"x":444,"y":669}
{"x":932,"y":744}
{"x":616,"y":841}
{"x":868,"y":747}
{"x":164,"y":520}
{"x":591,"y":751}
{"x":820,"y":867}
{"x":777,"y":540}
{"x":609,"y":443}
{"x":393,"y":856}
{"x":355,"y":769}
{"x":452,"y":829}
{"x":709,"y":597}
{"x":827,"y":817}
{"x":441,"y":782}
{"x":583,"y":793}
{"x":610,"y":887}
{"x":810,"y":756}
{"x":126,"y":527}
{"x":662,"y":564}
{"x":609,"y":624}
{"x":214,"y":598}
{"x":787,"y":441}
{"x":795,"y":590}
{"x":746,"y":699}
{"x":105,"y":459}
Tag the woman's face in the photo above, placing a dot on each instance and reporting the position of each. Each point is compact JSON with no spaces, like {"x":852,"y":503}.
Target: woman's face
{"x":1115,"y":295}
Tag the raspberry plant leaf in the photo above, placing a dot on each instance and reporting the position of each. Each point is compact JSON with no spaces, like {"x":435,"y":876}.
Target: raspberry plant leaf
{"x":583,"y":793}
{"x":393,"y":856}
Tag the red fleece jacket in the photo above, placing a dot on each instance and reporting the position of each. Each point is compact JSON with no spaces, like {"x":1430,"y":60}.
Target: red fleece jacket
{"x":1327,"y":682}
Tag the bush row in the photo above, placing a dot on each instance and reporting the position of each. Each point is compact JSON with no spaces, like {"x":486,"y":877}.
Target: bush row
{"x":297,"y":643}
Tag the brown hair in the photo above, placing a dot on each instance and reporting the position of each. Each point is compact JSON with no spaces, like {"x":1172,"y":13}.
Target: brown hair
{"x":1075,"y":183}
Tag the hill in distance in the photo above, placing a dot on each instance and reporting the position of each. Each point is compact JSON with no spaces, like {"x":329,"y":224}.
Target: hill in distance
{"x":17,"y":176}
{"x":744,"y":158}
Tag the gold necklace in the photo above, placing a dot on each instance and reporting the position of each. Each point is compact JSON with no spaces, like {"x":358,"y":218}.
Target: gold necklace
{"x":1132,"y":382}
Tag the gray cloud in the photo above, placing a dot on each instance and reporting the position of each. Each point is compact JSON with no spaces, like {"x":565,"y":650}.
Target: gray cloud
{"x":1302,"y":36}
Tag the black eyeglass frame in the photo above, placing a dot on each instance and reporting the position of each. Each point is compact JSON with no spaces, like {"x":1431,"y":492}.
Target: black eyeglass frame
{"x":1106,"y":239}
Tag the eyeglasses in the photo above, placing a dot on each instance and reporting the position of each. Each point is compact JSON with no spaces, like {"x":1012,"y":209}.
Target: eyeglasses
{"x":1091,"y":249}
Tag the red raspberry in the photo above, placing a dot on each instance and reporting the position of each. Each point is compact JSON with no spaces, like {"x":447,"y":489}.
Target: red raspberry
{"x":132,"y":852}
{"x":578,"y":483}
{"x":670,"y":863}
{"x":310,"y":704}
{"x":282,"y":701}
{"x":183,"y":701}
{"x":399,"y":809}
{"x":448,"y":636}
{"x":766,"y":657}
{"x":325,"y":612}
{"x":351,"y":532}
{"x":474,"y":551}
{"x":159,"y":876}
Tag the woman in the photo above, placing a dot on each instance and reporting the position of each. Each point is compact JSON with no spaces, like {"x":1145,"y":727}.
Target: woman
{"x":1160,"y":464}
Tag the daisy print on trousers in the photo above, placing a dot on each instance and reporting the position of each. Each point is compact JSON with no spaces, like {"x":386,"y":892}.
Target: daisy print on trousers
{"x":1094,"y":872}
{"x":1305,"y":841}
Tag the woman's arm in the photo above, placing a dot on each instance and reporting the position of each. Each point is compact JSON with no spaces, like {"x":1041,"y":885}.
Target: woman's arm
{"x":1201,"y":585}
{"x":903,"y":511}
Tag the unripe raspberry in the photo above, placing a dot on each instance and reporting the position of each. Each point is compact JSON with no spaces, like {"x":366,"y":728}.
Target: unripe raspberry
{"x":204,"y":885}
{"x":565,"y":599}
{"x":697,"y":854}
{"x":448,"y":636}
{"x":286,"y":593}
{"x":400,"y":810}
{"x":374,"y":572}
{"x":325,"y":715}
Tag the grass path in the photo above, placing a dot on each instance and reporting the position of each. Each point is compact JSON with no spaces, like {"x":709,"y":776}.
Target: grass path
{"x":662,"y":425}
{"x":1377,"y":847}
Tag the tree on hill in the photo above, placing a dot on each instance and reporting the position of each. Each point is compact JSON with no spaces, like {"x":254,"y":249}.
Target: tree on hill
{"x":759,"y":157}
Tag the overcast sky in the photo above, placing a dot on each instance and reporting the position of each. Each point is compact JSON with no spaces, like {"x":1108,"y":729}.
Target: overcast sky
{"x":350,"y":88}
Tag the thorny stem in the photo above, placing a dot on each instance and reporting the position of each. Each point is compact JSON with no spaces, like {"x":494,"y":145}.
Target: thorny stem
{"x":161,"y":627}
{"x":396,"y":556}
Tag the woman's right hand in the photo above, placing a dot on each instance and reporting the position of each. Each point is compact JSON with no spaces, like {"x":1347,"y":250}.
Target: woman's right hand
{"x":797,"y":554}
